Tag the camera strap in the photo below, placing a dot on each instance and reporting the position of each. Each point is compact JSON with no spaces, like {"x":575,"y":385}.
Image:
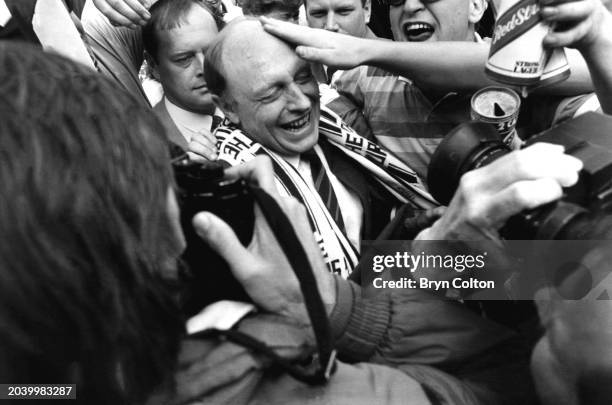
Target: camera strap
{"x":320,"y":370}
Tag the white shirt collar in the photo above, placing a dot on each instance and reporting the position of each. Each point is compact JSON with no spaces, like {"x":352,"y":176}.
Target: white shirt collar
{"x":293,"y":160}
{"x":296,"y":159}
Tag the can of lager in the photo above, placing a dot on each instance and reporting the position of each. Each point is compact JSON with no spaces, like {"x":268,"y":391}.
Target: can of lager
{"x":499,"y":106}
{"x":517,"y":56}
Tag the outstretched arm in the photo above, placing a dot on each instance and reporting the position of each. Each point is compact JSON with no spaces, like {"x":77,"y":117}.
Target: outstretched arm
{"x":445,"y":65}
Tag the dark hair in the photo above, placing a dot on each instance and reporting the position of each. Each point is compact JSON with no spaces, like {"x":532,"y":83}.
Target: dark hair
{"x":84,"y":231}
{"x":264,"y":7}
{"x":168,"y":14}
{"x":363,"y":2}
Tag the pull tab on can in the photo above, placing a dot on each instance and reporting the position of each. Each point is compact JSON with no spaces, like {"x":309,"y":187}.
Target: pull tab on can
{"x":498,"y":106}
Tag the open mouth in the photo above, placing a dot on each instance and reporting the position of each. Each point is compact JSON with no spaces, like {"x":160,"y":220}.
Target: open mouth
{"x":297,"y":125}
{"x":418,"y":31}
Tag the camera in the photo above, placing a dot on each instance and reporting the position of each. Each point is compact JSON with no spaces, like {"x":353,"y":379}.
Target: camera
{"x":203,"y":187}
{"x":588,"y":138}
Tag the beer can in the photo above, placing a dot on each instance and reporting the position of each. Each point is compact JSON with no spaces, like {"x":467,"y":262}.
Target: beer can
{"x":517,"y":56}
{"x":499,"y":106}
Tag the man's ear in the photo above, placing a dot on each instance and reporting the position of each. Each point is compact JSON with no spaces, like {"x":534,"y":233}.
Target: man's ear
{"x":228,"y":107}
{"x":152,"y":65}
{"x":367,"y":8}
{"x":476,"y":11}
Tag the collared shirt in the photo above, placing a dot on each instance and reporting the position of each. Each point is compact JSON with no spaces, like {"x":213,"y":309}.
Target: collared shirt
{"x":351,"y":208}
{"x":189,"y":123}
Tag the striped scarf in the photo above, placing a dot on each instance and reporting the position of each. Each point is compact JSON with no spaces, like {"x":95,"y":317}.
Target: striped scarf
{"x":235,"y":147}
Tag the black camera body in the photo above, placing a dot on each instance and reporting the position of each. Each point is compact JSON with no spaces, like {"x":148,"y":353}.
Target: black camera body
{"x":588,"y":137}
{"x":202,"y":187}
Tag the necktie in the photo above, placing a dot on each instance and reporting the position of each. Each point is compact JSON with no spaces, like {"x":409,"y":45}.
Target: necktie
{"x":324,"y":187}
{"x":216,"y":121}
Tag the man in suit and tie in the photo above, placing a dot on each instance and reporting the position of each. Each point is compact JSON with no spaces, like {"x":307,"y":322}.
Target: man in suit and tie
{"x":175,"y":39}
{"x":271,"y":103}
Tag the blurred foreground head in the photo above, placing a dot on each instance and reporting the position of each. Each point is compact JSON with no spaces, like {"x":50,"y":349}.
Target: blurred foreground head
{"x":87,"y":243}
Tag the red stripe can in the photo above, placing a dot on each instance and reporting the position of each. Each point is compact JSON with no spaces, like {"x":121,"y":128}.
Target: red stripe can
{"x":517,"y":56}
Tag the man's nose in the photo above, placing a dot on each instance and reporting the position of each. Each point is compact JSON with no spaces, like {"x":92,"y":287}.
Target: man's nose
{"x":330,"y":23}
{"x":413,"y":6}
{"x":297,"y":100}
{"x":199,"y":61}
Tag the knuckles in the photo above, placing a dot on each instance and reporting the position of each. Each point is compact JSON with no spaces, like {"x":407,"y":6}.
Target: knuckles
{"x":470,"y":184}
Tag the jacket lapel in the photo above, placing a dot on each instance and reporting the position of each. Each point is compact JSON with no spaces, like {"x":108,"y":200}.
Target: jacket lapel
{"x":172,"y":132}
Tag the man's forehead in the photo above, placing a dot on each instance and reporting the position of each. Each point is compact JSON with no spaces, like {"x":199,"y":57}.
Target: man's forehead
{"x":196,"y":27}
{"x":257,"y":54}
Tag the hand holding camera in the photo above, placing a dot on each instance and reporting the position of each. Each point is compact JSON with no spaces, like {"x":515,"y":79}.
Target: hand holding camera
{"x":487,"y":196}
{"x":261,"y":267}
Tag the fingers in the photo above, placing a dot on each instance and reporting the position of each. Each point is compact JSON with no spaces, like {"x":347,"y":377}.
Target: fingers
{"x":222,"y":239}
{"x":571,"y":37}
{"x":520,"y":196}
{"x":258,"y":171}
{"x":579,"y":23}
{"x":537,"y":161}
{"x":139,"y":10}
{"x":126,"y":13}
{"x":317,"y":45}
{"x":488,"y":196}
{"x":572,"y":11}
{"x":202,"y":148}
{"x":311,"y":54}
{"x":293,"y":33}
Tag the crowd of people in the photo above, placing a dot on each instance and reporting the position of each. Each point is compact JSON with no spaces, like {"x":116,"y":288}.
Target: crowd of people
{"x":312,"y":106}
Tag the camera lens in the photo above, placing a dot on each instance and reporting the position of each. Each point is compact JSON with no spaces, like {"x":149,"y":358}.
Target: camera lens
{"x":467,"y":147}
{"x":196,"y":177}
{"x":472,"y":145}
{"x":202,"y":187}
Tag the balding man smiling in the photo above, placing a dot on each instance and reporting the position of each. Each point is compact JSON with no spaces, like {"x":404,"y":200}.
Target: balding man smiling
{"x":271,"y":101}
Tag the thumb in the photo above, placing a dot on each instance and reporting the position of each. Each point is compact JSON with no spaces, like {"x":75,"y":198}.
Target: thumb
{"x":222,"y":239}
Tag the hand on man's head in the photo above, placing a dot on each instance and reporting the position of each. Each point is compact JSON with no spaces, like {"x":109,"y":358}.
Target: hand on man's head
{"x":487,"y":197}
{"x":318,"y":45}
